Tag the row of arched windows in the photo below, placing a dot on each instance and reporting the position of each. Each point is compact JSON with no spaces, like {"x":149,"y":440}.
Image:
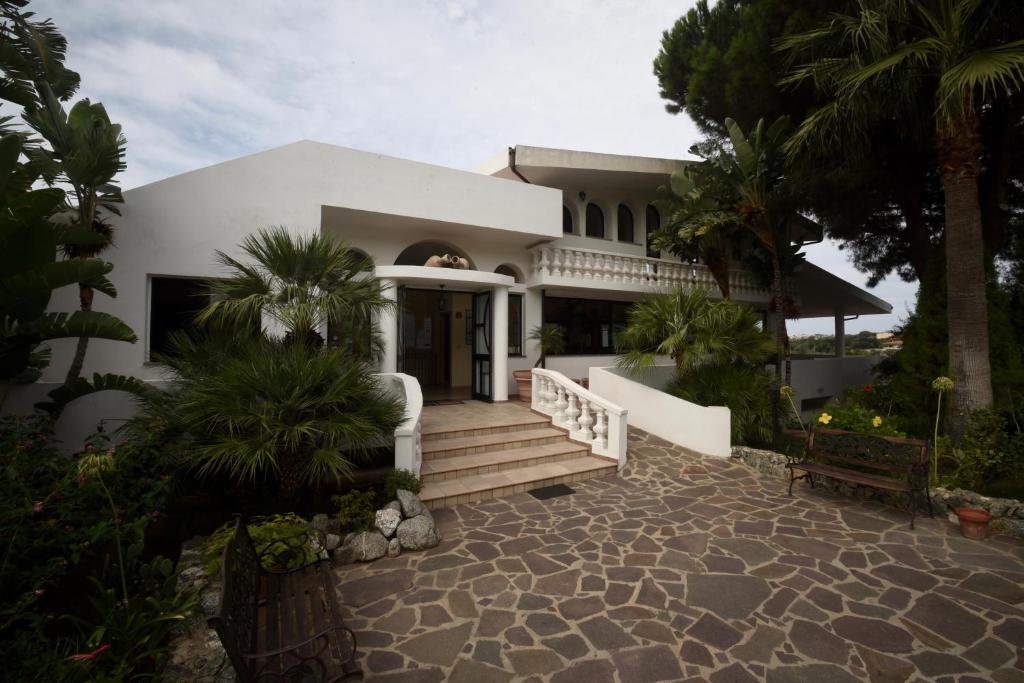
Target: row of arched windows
{"x":595,"y":223}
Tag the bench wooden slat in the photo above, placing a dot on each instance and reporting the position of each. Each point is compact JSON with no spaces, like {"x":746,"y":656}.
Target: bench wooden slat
{"x":272,"y":616}
{"x":889,"y":483}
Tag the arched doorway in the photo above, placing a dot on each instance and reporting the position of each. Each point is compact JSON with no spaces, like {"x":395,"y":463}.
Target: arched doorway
{"x":418,"y":254}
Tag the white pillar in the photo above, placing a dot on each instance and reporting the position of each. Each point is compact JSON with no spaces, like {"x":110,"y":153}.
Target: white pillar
{"x":840,"y":333}
{"x":499,"y":345}
{"x":388,"y":323}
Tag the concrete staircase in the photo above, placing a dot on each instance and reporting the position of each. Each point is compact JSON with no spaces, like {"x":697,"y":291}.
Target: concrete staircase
{"x":469,"y":465}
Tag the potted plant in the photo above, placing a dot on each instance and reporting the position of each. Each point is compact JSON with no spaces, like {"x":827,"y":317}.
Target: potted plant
{"x":973,"y":522}
{"x":551,"y":339}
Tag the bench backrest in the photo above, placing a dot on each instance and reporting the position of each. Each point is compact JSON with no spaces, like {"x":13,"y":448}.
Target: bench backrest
{"x":892,"y":455}
{"x":235,"y":621}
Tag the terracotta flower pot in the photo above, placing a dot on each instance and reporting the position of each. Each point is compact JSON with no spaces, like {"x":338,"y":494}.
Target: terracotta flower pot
{"x":973,"y":522}
{"x":524,"y":384}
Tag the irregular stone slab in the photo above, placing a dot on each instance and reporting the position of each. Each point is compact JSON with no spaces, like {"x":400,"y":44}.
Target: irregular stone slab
{"x":380,"y":661}
{"x":462,"y":604}
{"x":546,"y":624}
{"x":994,"y":586}
{"x":817,"y":643}
{"x":563,"y":583}
{"x":534,"y":661}
{"x":935,"y":664}
{"x":418,"y":532}
{"x":727,"y":595}
{"x":809,"y":546}
{"x":655,"y":631}
{"x":493,"y":622}
{"x":399,"y":622}
{"x":947,"y":618}
{"x":883,"y":668}
{"x":810,"y":673}
{"x":905,"y":576}
{"x":734,"y":673}
{"x":438,"y":562}
{"x":713,"y":631}
{"x":360,"y":592}
{"x":593,"y":671}
{"x":1012,"y":631}
{"x":647,"y":664}
{"x":411,"y":505}
{"x":693,"y":652}
{"x":694,"y":544}
{"x":752,"y":552}
{"x":760,"y":645}
{"x":386,"y":521}
{"x":570,"y":646}
{"x":989,"y":654}
{"x":605,"y":634}
{"x":873,"y":633}
{"x":440,"y":646}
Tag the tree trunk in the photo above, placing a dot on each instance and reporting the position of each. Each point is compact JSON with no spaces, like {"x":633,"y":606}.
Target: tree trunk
{"x":781,"y":335}
{"x":85,"y":297}
{"x":718,"y":263}
{"x":291,"y":474}
{"x":966,"y":304}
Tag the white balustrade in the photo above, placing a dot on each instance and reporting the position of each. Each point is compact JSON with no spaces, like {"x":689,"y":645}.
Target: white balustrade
{"x":589,"y":418}
{"x":408,"y":434}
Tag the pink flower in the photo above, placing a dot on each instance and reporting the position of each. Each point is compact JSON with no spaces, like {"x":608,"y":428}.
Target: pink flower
{"x":37,"y":506}
{"x":89,"y":656}
{"x":39,"y":593}
{"x":868,"y":388}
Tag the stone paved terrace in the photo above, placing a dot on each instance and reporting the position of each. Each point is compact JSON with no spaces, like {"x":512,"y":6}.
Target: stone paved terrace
{"x":689,"y":568}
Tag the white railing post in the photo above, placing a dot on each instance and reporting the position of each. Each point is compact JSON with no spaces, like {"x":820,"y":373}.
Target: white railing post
{"x":408,"y":434}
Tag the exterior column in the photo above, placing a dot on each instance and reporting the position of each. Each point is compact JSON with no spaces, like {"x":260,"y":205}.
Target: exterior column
{"x":840,"y":333}
{"x":388,"y":322}
{"x":499,"y":344}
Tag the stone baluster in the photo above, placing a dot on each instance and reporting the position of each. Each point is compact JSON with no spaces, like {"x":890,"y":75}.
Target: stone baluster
{"x":551,"y":396}
{"x":587,"y":267}
{"x":572,"y":412}
{"x":636,"y":270}
{"x":600,"y":429}
{"x":578,"y":260}
{"x":560,"y":405}
{"x":585,"y":421}
{"x":545,"y":261}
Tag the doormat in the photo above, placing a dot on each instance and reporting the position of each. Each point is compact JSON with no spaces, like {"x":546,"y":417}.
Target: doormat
{"x":444,"y":402}
{"x":545,"y":492}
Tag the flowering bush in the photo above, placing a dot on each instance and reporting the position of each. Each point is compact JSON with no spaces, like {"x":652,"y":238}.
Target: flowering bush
{"x":853,"y":415}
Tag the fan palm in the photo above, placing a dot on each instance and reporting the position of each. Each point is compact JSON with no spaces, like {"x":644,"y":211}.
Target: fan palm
{"x":693,"y":330}
{"x":550,"y":338}
{"x":878,"y":63}
{"x":740,"y":189}
{"x":300,"y":283}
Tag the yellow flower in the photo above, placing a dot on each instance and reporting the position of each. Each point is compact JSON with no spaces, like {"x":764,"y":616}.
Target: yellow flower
{"x":824,"y":418}
{"x":877,"y":422}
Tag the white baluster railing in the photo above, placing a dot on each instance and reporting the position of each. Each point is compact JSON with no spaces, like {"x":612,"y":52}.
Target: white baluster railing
{"x":587,"y":417}
{"x":408,"y":434}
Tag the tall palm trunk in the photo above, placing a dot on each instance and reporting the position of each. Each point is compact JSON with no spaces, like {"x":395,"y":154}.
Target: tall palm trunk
{"x":781,"y":333}
{"x":966,"y":307}
{"x":85,"y":298}
{"x":291,"y":474}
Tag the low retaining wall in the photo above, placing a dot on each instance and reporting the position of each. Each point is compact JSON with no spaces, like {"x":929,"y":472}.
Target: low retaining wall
{"x":1008,"y":514}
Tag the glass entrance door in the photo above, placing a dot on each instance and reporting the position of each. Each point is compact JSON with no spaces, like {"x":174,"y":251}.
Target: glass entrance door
{"x":483,"y":356}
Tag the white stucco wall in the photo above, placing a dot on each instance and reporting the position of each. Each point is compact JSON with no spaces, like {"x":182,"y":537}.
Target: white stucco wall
{"x":702,"y":429}
{"x":827,"y":376}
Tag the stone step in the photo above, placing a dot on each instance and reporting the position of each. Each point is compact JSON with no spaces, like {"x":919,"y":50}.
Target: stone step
{"x":441,"y":494}
{"x":525,"y":422}
{"x":497,"y":441}
{"x":460,"y":466}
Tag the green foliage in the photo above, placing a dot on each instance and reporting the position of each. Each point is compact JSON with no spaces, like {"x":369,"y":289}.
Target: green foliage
{"x":693,"y":330}
{"x":744,"y":389}
{"x":257,"y":409}
{"x":400,"y":479}
{"x":356,"y":509}
{"x":987,"y":454}
{"x":550,"y":339}
{"x":855,"y":416}
{"x":264,"y":531}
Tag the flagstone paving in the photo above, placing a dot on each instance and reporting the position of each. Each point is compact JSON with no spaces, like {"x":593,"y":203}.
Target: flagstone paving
{"x":690,"y":568}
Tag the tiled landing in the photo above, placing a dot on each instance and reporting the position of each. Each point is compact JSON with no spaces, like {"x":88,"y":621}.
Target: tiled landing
{"x":477,"y":451}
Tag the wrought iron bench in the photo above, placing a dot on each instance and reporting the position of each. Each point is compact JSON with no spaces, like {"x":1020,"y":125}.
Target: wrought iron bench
{"x":281,"y":625}
{"x":880,"y":462}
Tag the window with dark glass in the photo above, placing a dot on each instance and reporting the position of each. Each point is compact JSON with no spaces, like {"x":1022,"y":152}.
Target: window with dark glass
{"x":566,"y":220}
{"x":653,"y":223}
{"x":625,"y":224}
{"x":174,"y":302}
{"x":590,"y":325}
{"x":595,"y":221}
{"x":515,"y":324}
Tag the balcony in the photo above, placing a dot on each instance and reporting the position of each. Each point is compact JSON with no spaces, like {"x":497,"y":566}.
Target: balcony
{"x":573,"y":268}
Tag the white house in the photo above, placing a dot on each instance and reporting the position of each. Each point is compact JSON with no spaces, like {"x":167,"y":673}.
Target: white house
{"x":549,"y":235}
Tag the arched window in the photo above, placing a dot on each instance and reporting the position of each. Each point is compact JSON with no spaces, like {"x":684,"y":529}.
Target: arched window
{"x":510,"y":270}
{"x":595,"y":221}
{"x":653,"y":223}
{"x":625,"y":224}
{"x":567,"y":226}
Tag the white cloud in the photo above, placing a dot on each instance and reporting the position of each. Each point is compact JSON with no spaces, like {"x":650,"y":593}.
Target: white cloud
{"x":449,"y":82}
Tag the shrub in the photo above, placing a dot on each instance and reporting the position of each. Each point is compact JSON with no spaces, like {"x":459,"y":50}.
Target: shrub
{"x":987,"y":454}
{"x":400,"y":479}
{"x":854,"y":411}
{"x":356,"y":510}
{"x":264,"y":531}
{"x":744,"y":389}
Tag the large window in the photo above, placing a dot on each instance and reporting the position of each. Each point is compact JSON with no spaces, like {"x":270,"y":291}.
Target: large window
{"x":515,"y":324}
{"x":595,"y":221}
{"x":625,"y":224}
{"x":653,"y":223}
{"x":174,"y":302}
{"x":589,"y":325}
{"x":567,"y":220}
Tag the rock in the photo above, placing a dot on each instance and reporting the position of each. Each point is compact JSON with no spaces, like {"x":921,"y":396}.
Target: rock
{"x":419,"y":531}
{"x":411,"y":505}
{"x":321,"y":522}
{"x":387,"y":520}
{"x":331,"y":541}
{"x":344,"y":554}
{"x":394,"y":547}
{"x":369,"y":546}
{"x":393,"y":505}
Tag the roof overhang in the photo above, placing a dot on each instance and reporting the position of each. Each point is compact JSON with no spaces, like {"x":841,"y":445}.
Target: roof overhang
{"x":824,"y":294}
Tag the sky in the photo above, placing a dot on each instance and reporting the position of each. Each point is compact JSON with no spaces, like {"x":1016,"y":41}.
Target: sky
{"x":448,"y":82}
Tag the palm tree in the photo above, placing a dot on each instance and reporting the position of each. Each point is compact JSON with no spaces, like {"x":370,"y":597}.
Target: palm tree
{"x":879,"y":63}
{"x":550,"y":338}
{"x":300,"y":283}
{"x":693,"y":330}
{"x":739,"y":189}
